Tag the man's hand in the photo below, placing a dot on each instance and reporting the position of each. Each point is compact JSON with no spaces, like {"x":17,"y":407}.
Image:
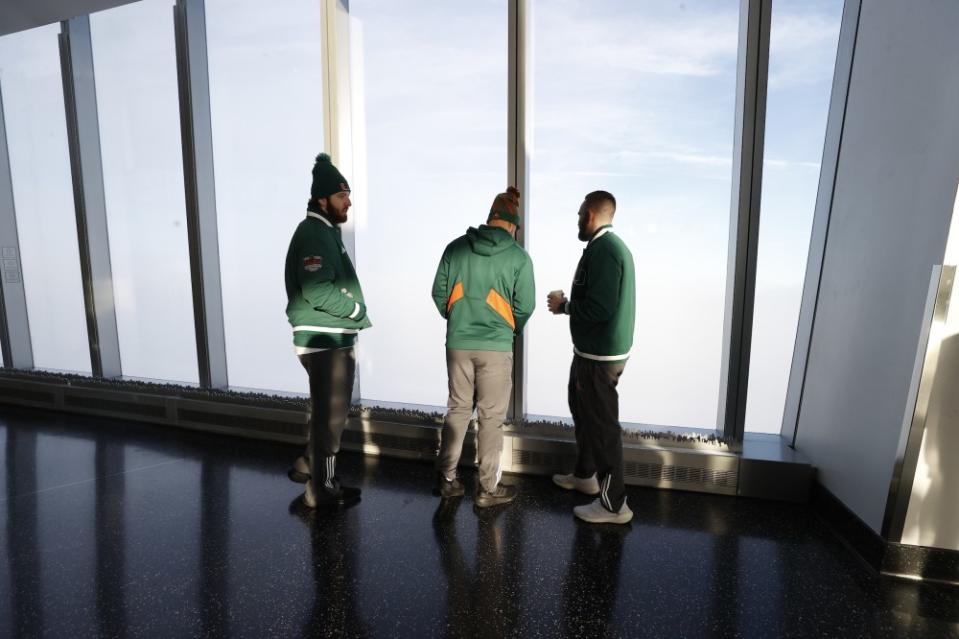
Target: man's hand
{"x":556,"y":301}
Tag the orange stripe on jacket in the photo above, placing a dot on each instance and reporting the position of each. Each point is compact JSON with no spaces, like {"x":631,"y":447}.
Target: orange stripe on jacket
{"x":502,"y":307}
{"x":455,"y":296}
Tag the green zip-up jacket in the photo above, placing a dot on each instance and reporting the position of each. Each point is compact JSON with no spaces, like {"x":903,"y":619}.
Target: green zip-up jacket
{"x":325,"y":302}
{"x":602,"y":303}
{"x":484,"y":288}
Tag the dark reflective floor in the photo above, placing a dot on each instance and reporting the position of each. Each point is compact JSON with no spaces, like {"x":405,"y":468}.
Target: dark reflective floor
{"x":117,"y":529}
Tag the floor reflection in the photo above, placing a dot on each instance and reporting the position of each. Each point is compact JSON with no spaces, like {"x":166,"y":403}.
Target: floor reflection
{"x":214,"y":541}
{"x":334,"y":552}
{"x":482,"y":597}
{"x":208,"y":548}
{"x":22,"y":551}
{"x":110,"y":523}
{"x":592,"y":580}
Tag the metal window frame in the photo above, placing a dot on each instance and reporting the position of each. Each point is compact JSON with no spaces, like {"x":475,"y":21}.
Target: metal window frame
{"x":196,"y":130}
{"x":832,"y":147}
{"x":752,"y":78}
{"x":519,"y":145}
{"x":14,"y":321}
{"x":83,"y":132}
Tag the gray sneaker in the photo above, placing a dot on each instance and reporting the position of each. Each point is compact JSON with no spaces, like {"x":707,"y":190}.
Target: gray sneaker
{"x":587,"y":486}
{"x":501,"y":495}
{"x":595,"y":513}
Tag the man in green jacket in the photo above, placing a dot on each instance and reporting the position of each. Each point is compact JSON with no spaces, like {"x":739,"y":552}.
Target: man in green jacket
{"x":326,"y":309}
{"x":484,"y":288}
{"x":602,"y":314}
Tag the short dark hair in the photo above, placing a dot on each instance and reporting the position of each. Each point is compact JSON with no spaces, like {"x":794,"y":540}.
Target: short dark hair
{"x":597,"y":198}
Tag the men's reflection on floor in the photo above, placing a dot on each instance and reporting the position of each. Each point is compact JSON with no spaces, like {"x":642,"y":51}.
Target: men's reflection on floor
{"x":481,"y":600}
{"x":335,"y":550}
{"x":592,"y":580}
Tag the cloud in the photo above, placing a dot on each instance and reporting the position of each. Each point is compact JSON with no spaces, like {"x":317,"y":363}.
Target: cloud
{"x":642,"y":38}
{"x":802,"y":49}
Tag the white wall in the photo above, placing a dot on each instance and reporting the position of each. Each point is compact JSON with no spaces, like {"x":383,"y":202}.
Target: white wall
{"x":893,"y":201}
{"x":933,"y":515}
{"x":17,"y":15}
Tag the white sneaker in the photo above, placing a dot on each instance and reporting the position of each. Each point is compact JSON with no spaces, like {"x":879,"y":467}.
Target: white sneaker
{"x":594,"y":513}
{"x":588,"y":486}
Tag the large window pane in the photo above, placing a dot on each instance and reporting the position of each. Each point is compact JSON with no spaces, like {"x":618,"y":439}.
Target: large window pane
{"x":135,"y":67}
{"x":637,"y":98}
{"x":43,"y":198}
{"x":802,"y":56}
{"x":267,"y":102}
{"x":429,"y":136}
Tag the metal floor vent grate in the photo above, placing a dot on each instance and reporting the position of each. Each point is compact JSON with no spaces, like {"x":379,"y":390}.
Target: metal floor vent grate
{"x":245,"y":422}
{"x":114,"y":406}
{"x":680,"y":474}
{"x":392,"y":442}
{"x":544,"y":460}
{"x":28,"y":395}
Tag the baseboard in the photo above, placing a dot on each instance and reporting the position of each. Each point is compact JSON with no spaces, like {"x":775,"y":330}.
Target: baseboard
{"x":916,"y":563}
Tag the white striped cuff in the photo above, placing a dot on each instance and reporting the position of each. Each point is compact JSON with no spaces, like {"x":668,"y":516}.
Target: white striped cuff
{"x":326,"y":329}
{"x":601,"y":358}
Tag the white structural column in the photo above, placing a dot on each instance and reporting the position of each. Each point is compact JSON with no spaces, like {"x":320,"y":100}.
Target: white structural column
{"x":751,"y":78}
{"x":83,"y":130}
{"x":197,"y":142}
{"x":820,"y":227}
{"x":519,"y":146}
{"x":14,"y":324}
{"x":338,"y":120}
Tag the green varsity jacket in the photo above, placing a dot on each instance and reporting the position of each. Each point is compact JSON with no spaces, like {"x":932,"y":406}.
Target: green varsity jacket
{"x":324,"y":300}
{"x":602,"y":303}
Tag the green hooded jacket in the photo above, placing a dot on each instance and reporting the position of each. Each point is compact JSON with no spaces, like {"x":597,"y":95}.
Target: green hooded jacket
{"x":324,"y":300}
{"x":484,"y":288}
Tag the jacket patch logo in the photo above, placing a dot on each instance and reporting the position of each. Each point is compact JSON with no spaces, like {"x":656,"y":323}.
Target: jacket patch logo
{"x":312,"y":263}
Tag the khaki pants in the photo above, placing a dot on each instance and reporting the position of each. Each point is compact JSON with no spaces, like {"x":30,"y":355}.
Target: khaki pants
{"x":483,"y":379}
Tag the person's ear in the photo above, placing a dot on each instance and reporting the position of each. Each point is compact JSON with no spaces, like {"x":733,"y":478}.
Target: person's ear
{"x":322,"y":201}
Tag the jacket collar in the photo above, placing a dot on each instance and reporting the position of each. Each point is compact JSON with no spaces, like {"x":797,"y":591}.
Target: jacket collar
{"x":600,"y":233}
{"x":319,"y":217}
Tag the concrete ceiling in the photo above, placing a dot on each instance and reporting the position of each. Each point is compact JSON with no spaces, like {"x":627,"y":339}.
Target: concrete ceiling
{"x":18,"y":15}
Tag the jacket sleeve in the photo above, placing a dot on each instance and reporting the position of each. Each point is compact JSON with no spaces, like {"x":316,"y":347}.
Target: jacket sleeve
{"x":441,"y":283}
{"x":524,"y":295}
{"x":317,"y":278}
{"x":602,"y":290}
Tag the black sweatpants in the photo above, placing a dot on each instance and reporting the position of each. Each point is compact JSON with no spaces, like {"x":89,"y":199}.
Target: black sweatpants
{"x":331,"y":389}
{"x":594,"y":404}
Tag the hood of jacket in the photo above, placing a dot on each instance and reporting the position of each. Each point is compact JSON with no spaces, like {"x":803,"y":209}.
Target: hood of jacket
{"x":489,"y":240}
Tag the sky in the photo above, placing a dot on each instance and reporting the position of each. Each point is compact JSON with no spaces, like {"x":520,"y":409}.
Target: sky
{"x":635,"y":97}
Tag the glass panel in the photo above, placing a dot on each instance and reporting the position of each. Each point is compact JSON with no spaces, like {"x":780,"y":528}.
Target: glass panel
{"x":429,"y":134}
{"x":637,"y":98}
{"x":135,"y":67}
{"x":266,"y":90}
{"x":802,"y":58}
{"x":43,"y":198}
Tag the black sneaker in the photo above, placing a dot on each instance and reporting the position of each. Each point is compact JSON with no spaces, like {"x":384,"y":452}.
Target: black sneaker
{"x":502,"y":495}
{"x":299,"y":472}
{"x":447,"y":488}
{"x":345,"y":496}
